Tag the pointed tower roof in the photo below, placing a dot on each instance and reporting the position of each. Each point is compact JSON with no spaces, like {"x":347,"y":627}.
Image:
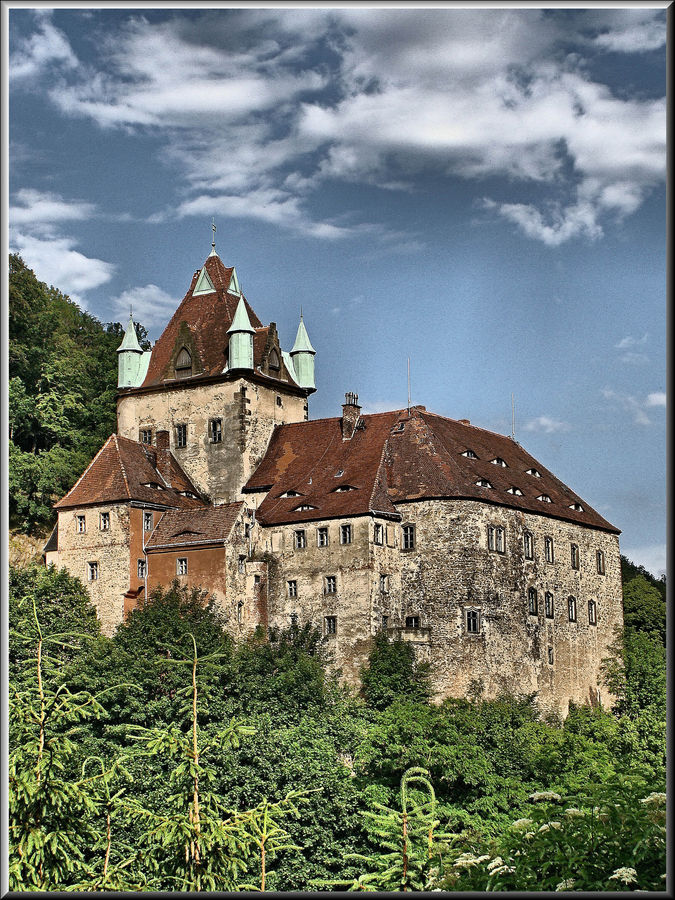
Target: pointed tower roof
{"x":302,"y":343}
{"x":241,"y":321}
{"x":130,"y":339}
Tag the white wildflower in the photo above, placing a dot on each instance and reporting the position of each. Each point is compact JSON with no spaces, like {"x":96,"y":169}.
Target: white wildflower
{"x":573,"y":813}
{"x":544,"y":828}
{"x":529,"y":834}
{"x":497,"y":861}
{"x":565,"y":885}
{"x":656,"y":798}
{"x":545,"y":795}
{"x":467,"y":860}
{"x":521,"y":823}
{"x":625,"y":874}
{"x":503,"y":870}
{"x":555,"y":825}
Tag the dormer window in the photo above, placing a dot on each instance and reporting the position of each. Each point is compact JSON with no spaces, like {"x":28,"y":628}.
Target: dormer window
{"x":185,"y":494}
{"x":339,"y":473}
{"x":274,"y":360}
{"x":183,"y":363}
{"x":154,"y":485}
{"x":304,"y":507}
{"x":515,"y":491}
{"x":290,"y":494}
{"x":534,"y":472}
{"x":343,"y":488}
{"x":498,"y":461}
{"x":469,"y":454}
{"x":577,"y":507}
{"x":484,"y":483}
{"x":544,"y":498}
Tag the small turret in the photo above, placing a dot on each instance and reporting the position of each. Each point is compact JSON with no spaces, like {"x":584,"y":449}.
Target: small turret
{"x":302,"y":355}
{"x":241,"y":339}
{"x":132,"y":362}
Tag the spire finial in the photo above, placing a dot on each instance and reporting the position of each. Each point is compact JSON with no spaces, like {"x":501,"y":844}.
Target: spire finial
{"x":213,"y":226}
{"x":131,"y":311}
{"x":301,"y":310}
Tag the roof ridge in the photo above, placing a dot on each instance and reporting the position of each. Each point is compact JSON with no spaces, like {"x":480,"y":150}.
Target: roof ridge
{"x":385,"y":443}
{"x":124,"y":471}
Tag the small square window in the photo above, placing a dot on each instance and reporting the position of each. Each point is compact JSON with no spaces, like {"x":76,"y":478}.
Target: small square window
{"x":330,"y":624}
{"x":92,"y":571}
{"x":532,"y":601}
{"x":279,"y":401}
{"x":104,"y":522}
{"x":592,"y":613}
{"x":528,"y":542}
{"x":384,"y":584}
{"x":574,"y":555}
{"x":292,"y":588}
{"x":548,"y":604}
{"x":322,"y":537}
{"x":181,"y":435}
{"x":548,"y":549}
{"x":378,"y":534}
{"x":147,"y":521}
{"x":572,"y":609}
{"x":412,"y":621}
{"x":216,"y":431}
{"x":80,"y":524}
{"x":345,"y":534}
{"x":600,"y":562}
{"x":330,"y":584}
{"x":141,"y":568}
{"x":472,"y":621}
{"x":550,"y":656}
{"x":256,"y":579}
{"x":300,"y":539}
{"x":181,"y":565}
{"x":146,"y":435}
{"x":408,"y":537}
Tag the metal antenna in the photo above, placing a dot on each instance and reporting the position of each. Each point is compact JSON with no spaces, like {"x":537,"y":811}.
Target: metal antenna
{"x":408,"y":385}
{"x":513,"y":418}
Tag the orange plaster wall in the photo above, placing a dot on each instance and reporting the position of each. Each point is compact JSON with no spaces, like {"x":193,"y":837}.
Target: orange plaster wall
{"x":206,"y":569}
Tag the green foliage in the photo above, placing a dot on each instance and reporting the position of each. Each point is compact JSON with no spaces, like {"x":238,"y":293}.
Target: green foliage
{"x":393,"y":674}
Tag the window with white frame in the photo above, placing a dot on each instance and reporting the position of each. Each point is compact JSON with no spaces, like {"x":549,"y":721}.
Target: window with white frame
{"x":532,"y":603}
{"x":80,"y":524}
{"x":181,"y":435}
{"x":408,"y":537}
{"x":548,"y":605}
{"x":550,"y":656}
{"x":345,"y":534}
{"x":322,"y":537}
{"x":496,"y":538}
{"x":146,"y":435}
{"x":181,"y":565}
{"x":292,"y":588}
{"x":384,"y":584}
{"x":548,"y":549}
{"x":216,"y":431}
{"x":472,"y":621}
{"x":330,"y":584}
{"x":528,"y":542}
{"x":142,"y":570}
{"x":378,"y":533}
{"x":572,"y":609}
{"x":241,"y":565}
{"x":600,"y":562}
{"x":300,"y":538}
{"x":330,"y":624}
{"x":412,"y":621}
{"x":104,"y":521}
{"x":92,"y":571}
{"x":592,"y":613}
{"x":147,"y":521}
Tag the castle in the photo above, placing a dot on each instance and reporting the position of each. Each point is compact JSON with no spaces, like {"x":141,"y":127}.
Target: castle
{"x":441,"y":533}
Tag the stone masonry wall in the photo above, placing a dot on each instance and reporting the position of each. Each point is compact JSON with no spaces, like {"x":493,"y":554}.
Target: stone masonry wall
{"x":248,"y":412}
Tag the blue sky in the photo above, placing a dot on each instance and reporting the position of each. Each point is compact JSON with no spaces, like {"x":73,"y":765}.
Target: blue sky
{"x":479,"y":190}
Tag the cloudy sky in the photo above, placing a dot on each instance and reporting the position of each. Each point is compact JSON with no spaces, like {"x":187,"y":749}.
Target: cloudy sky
{"x":481,"y":191}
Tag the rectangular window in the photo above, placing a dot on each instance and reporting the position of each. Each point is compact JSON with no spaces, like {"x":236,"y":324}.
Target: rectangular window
{"x":600,"y":560}
{"x":378,"y":534}
{"x":241,"y":565}
{"x":181,"y":565}
{"x":330,"y":584}
{"x":92,"y":571}
{"x":330,"y":623}
{"x":592,"y":613}
{"x":550,"y":656}
{"x":548,"y":549}
{"x":292,"y":588}
{"x":345,"y":534}
{"x":532,"y":601}
{"x":181,"y":435}
{"x":548,"y":603}
{"x":256,"y":579}
{"x":408,"y":537}
{"x":384,"y":584}
{"x":529,"y":545}
{"x":496,"y":538}
{"x":385,"y":622}
{"x":300,"y":539}
{"x":80,"y":524}
{"x":472,"y":621}
{"x":322,"y":537}
{"x":412,"y":621}
{"x":104,"y":521}
{"x":574,"y":552}
{"x":147,"y":521}
{"x":216,"y":431}
{"x":572,"y":609}
{"x":141,"y":568}
{"x":240,"y":612}
{"x":146,"y":435}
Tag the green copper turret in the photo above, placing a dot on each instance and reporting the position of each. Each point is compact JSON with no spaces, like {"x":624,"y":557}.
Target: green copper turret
{"x":302,"y":355}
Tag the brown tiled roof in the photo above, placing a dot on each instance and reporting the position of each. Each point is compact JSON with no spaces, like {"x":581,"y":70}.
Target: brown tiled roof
{"x":396,"y":458}
{"x":208,"y":316}
{"x":183,"y":527}
{"x":121,"y":470}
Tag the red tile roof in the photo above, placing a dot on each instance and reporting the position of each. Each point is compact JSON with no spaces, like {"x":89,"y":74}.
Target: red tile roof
{"x":395,"y":458}
{"x":183,"y":527}
{"x":121,"y":470}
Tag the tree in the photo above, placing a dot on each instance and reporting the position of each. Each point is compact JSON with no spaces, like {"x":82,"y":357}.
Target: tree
{"x":392,"y":673}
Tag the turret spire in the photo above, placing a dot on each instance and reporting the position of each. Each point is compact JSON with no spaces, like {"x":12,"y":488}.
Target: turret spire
{"x":302,"y":355}
{"x":213,"y":242}
{"x":241,"y":339}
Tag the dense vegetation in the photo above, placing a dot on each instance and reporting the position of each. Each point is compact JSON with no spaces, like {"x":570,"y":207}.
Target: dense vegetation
{"x":62,"y":384}
{"x":166,"y":757}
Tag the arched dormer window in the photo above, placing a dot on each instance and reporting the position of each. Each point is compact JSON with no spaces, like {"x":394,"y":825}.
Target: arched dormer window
{"x":183,"y":363}
{"x":274,"y":361}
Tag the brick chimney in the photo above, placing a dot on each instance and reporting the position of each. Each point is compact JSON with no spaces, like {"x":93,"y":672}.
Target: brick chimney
{"x":350,"y":415}
{"x":163,"y":455}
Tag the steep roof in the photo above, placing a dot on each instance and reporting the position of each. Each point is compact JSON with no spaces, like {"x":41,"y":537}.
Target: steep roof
{"x":121,"y":470}
{"x":193,"y":527}
{"x":396,"y":457}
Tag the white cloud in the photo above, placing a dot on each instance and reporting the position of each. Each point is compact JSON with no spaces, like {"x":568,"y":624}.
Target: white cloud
{"x":546,"y":424}
{"x":652,"y":556}
{"x":637,"y":31}
{"x":57,"y":263}
{"x":46,"y":46}
{"x":630,"y":404}
{"x":656,"y":399}
{"x":38,"y":209}
{"x":629,"y":342}
{"x":151,"y":305}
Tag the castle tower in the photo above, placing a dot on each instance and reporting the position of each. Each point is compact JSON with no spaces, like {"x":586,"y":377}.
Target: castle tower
{"x":132,"y":362}
{"x":217,"y":381}
{"x":302,"y":355}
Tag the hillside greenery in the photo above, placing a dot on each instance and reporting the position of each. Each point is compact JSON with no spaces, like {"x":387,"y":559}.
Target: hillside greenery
{"x":168,"y":757}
